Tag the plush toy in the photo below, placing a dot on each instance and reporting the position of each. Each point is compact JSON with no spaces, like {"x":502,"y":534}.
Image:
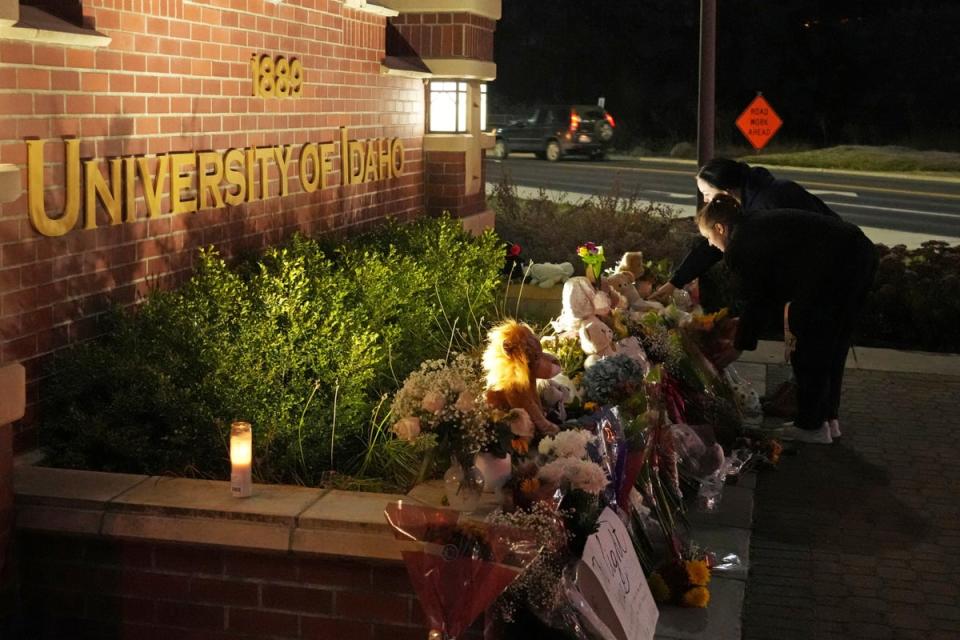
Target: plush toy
{"x":554,"y":398}
{"x":631,"y":347}
{"x":513,"y":360}
{"x":632,"y":261}
{"x":622,"y":283}
{"x":581,"y":302}
{"x":596,"y":340}
{"x":548,"y":274}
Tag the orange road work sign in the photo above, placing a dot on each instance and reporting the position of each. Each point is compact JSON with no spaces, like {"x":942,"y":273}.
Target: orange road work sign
{"x":759,"y":122}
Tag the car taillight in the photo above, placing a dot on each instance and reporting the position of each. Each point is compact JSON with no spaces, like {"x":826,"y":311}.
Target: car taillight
{"x":610,"y":120}
{"x":574,"y":121}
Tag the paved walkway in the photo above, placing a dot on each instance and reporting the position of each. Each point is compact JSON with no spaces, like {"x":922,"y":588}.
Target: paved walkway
{"x":861,"y":539}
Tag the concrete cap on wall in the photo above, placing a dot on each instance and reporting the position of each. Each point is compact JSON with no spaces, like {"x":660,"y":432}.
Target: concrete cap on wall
{"x":13,"y":393}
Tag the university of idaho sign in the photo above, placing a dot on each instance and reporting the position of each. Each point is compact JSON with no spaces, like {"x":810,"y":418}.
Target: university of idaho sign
{"x":201,"y":180}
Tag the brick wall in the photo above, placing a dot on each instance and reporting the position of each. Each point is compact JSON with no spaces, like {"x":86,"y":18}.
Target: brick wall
{"x":447,"y":35}
{"x":176,"y":77}
{"x":93,"y":588}
{"x":444,"y":179}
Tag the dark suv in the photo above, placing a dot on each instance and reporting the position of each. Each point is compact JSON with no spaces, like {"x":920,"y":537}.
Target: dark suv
{"x":554,"y":131}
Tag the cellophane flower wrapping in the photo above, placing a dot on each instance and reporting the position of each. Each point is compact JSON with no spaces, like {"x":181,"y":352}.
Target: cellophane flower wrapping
{"x":458,"y":567}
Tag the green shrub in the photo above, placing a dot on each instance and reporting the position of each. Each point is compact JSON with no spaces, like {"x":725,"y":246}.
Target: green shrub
{"x":551,"y":231}
{"x":302,"y":343}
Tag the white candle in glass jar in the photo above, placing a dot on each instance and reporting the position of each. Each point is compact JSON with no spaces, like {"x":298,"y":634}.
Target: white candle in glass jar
{"x":241,"y":459}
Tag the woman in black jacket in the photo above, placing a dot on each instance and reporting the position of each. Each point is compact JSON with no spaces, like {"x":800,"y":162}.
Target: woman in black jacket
{"x":755,"y":189}
{"x":823,"y":267}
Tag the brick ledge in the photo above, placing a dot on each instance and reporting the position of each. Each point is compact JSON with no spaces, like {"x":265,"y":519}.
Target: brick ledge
{"x":277,"y":517}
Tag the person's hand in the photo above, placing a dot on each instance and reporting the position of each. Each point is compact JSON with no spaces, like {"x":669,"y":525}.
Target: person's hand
{"x":664,"y":293}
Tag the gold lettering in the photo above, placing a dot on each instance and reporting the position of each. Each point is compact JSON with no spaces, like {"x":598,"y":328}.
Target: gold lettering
{"x":282,"y":157}
{"x":96,"y":187}
{"x":251,"y":154}
{"x":43,"y":223}
{"x":370,"y":173}
{"x":129,"y":185}
{"x":327,"y":150}
{"x":180,"y":181}
{"x":235,"y":177}
{"x":263,"y":155}
{"x":383,"y":153}
{"x":344,"y":156}
{"x":153,"y":189}
{"x":396,"y":153}
{"x":210,"y":182}
{"x":357,"y":161}
{"x":309,"y":152}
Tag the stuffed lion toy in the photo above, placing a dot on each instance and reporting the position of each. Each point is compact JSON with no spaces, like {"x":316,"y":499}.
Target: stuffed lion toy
{"x":513,"y":361}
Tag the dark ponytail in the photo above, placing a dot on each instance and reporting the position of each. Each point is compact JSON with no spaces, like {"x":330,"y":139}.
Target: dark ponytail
{"x":723,"y":209}
{"x":724,"y":174}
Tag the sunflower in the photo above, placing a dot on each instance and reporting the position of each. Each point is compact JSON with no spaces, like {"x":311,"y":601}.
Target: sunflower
{"x":697,"y":597}
{"x":659,"y":588}
{"x":698,"y":573}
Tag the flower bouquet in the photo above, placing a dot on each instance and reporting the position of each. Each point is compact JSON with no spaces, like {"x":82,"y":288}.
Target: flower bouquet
{"x":592,"y":256}
{"x":682,"y":581}
{"x":457,"y":567}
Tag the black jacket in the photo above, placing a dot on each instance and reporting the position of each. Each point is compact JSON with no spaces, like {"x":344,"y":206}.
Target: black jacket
{"x":817,"y":263}
{"x":761,"y":192}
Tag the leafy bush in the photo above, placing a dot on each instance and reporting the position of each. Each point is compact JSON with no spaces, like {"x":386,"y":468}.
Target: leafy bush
{"x":551,"y":231}
{"x":302,"y":343}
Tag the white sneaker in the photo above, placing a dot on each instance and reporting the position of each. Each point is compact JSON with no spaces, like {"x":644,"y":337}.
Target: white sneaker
{"x":835,"y":428}
{"x":817,"y":436}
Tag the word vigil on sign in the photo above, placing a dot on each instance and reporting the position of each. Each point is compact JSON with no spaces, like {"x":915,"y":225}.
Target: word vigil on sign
{"x":198,"y":180}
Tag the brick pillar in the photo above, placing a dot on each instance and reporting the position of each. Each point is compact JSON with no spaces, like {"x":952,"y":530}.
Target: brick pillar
{"x":12,"y":402}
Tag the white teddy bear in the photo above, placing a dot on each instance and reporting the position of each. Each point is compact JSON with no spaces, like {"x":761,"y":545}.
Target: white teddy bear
{"x":548,"y":274}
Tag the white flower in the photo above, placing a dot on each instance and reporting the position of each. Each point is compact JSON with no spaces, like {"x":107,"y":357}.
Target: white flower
{"x":572,"y":443}
{"x":465,"y":402}
{"x":433,"y":402}
{"x":407,"y":428}
{"x":586,"y":476}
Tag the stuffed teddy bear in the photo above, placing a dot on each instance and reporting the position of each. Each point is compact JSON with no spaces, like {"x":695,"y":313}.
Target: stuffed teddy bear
{"x":548,"y":274}
{"x":513,"y":360}
{"x":622,"y":283}
{"x":596,"y":340}
{"x":581,"y":302}
{"x":554,"y":397}
{"x":632,"y":261}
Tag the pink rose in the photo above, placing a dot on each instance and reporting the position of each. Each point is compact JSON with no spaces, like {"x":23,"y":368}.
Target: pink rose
{"x":407,"y":428}
{"x":433,"y":402}
{"x":465,"y":403}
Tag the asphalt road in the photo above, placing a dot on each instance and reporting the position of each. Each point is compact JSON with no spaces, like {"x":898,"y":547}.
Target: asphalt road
{"x":899,"y":203}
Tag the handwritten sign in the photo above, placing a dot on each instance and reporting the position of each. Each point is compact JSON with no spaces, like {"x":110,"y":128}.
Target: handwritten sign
{"x":612,"y":581}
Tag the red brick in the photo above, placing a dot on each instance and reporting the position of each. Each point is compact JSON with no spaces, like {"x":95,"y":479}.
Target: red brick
{"x":258,"y":622}
{"x":182,"y":614}
{"x":372,"y":606}
{"x":64,"y":80}
{"x":193,"y":560}
{"x":48,"y":56}
{"x":297,"y":599}
{"x":93,"y":81}
{"x":238,"y":564}
{"x":232,"y":592}
{"x":16,"y":53}
{"x":81,"y":58}
{"x":316,"y":628}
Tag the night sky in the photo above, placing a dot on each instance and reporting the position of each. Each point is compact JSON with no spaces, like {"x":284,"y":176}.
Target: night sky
{"x":837,"y":71}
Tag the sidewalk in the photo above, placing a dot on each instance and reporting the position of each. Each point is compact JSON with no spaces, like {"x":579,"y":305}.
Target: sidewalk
{"x":857,"y":540}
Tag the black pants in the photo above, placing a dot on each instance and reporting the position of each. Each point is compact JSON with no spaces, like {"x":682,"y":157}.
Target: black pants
{"x":824,"y":335}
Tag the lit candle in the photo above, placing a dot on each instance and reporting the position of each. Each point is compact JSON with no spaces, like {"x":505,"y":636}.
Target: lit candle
{"x":241,"y":458}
